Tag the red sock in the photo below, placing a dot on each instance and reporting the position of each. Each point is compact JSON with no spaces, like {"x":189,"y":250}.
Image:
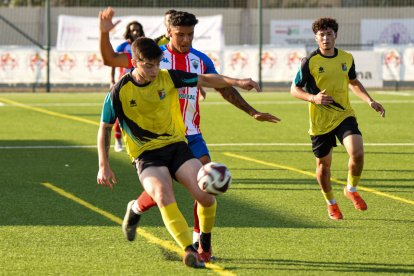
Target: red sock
{"x":196,"y":222}
{"x":145,"y":202}
{"x":117,"y":130}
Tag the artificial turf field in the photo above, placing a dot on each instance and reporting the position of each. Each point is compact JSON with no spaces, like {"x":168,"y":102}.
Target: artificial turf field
{"x":55,"y":219}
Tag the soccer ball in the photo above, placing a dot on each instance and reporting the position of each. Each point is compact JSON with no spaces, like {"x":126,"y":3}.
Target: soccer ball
{"x":214,"y":178}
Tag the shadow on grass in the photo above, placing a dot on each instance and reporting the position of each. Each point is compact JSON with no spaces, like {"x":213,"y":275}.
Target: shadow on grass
{"x":321,"y":266}
{"x":27,"y":202}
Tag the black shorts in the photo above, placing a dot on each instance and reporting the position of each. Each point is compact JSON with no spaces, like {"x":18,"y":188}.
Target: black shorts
{"x":322,"y":144}
{"x":171,"y":156}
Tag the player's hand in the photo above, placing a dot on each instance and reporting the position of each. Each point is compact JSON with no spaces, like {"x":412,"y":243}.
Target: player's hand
{"x":106,"y":177}
{"x":248,"y":84}
{"x":378,"y":107}
{"x":322,"y":98}
{"x":266,"y":117}
{"x":105,"y":20}
{"x":203,"y":94}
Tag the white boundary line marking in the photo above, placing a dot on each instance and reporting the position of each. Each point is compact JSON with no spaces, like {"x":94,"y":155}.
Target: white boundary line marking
{"x":212,"y":145}
{"x":278,"y":102}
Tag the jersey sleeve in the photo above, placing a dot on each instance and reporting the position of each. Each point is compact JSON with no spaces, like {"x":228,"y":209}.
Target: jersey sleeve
{"x":129,"y":60}
{"x":183,"y":79}
{"x":119,"y":48}
{"x":303,"y":73}
{"x":352,"y":72}
{"x":108,"y":112}
{"x":209,"y":67}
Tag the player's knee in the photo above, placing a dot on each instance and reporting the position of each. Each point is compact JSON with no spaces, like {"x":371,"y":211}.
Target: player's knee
{"x":206,"y":200}
{"x":358,"y":157}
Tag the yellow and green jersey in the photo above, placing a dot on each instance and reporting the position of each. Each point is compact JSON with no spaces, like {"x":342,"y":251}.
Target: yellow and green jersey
{"x":149,"y":115}
{"x":161,"y":40}
{"x":331,"y":73}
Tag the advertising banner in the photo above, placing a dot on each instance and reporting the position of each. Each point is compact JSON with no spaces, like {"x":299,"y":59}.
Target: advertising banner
{"x":387,"y":31}
{"x":77,"y":33}
{"x":368,"y":68}
{"x":291,"y":32}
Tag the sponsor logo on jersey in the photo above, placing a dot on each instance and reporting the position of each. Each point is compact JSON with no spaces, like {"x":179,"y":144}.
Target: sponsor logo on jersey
{"x":195,"y":63}
{"x":321,"y":70}
{"x":186,"y":96}
{"x":161,"y":94}
{"x":132,"y":103}
{"x":344,"y":67}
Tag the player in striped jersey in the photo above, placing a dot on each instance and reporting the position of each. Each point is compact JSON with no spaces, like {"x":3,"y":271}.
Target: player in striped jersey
{"x":179,"y":54}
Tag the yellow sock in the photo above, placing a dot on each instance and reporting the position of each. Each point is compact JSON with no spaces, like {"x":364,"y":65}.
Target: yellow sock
{"x":207,"y":217}
{"x":353,"y":181}
{"x":329,"y":197}
{"x":176,"y":224}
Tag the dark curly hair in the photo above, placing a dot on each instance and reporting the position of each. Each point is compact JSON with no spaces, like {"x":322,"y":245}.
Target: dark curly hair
{"x":181,"y":18}
{"x":127,"y":34}
{"x":324,"y":23}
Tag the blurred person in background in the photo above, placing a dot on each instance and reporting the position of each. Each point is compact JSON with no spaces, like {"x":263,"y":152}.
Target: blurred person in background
{"x":133,"y":30}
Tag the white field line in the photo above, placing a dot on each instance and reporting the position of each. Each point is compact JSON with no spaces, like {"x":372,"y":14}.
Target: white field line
{"x":293,"y":102}
{"x":211,"y":145}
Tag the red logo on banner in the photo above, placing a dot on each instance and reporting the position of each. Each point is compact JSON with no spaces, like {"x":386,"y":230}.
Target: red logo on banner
{"x":94,"y":62}
{"x":238,"y":60}
{"x":268,"y":59}
{"x":392,"y":58}
{"x":66,"y":61}
{"x":294,"y":57}
{"x":8,"y":61}
{"x":36,"y":61}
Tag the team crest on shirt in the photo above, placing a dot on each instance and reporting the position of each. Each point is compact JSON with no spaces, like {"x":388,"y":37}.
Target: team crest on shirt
{"x":132,"y":103}
{"x":195,"y":63}
{"x":344,"y":67}
{"x":161,"y":94}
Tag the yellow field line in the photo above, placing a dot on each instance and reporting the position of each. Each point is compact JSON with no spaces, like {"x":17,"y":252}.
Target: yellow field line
{"x":314,"y":175}
{"x":152,"y":239}
{"x":51,"y":113}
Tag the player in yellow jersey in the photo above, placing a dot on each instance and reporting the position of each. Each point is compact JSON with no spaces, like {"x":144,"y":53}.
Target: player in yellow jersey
{"x":146,"y":104}
{"x":323,"y":80}
{"x":165,"y":38}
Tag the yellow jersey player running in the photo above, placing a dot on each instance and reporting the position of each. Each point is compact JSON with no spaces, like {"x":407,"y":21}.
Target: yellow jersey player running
{"x":326,"y":74}
{"x":145,"y":102}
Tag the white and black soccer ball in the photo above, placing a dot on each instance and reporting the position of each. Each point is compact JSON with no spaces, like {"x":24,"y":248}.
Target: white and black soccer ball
{"x":214,"y":178}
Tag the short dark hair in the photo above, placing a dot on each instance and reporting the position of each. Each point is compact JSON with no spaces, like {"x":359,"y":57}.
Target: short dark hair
{"x":324,"y":23}
{"x":127,"y":34}
{"x":145,"y":48}
{"x":181,"y":18}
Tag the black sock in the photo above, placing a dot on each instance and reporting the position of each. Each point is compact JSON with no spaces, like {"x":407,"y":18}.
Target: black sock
{"x":205,"y":241}
{"x":191,"y":248}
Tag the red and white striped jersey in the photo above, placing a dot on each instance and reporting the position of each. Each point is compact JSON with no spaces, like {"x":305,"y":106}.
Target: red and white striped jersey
{"x":195,"y":62}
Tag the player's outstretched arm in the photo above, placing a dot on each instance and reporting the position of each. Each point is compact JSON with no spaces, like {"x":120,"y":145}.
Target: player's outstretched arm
{"x":109,"y":56}
{"x":220,"y":81}
{"x":105,"y":175}
{"x":359,"y":90}
{"x":233,"y":96}
{"x":225,"y":85}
